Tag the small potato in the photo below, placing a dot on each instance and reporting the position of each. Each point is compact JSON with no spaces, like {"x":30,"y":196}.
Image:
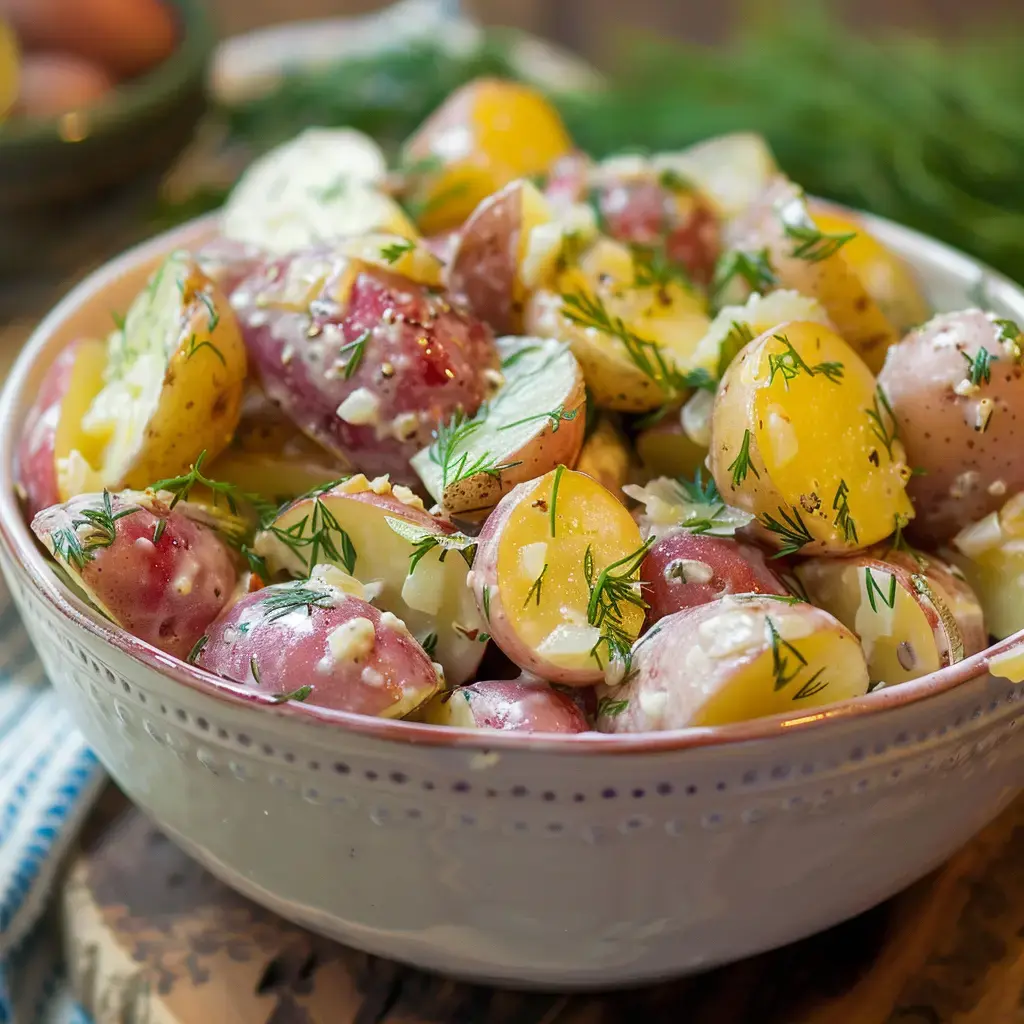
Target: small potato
{"x":634,"y":340}
{"x":990,"y":553}
{"x":166,"y":590}
{"x":605,"y":456}
{"x":734,"y":659}
{"x":319,"y":642}
{"x":685,"y":569}
{"x":364,"y":361}
{"x":413,"y":564}
{"x":270,"y":457}
{"x":911,"y":614}
{"x":555,"y":577}
{"x":52,"y":434}
{"x":812,"y":263}
{"x":505,"y":705}
{"x":484,"y":135}
{"x":174,"y":379}
{"x":956,"y":388}
{"x":485,"y":269}
{"x":535,"y":422}
{"x":889,"y":280}
{"x":323,"y":185}
{"x":802,"y":439}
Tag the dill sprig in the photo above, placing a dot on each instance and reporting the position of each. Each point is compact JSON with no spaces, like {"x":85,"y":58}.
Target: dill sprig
{"x":790,"y":529}
{"x":557,"y":416}
{"x":450,"y":437}
{"x":814,"y":245}
{"x":611,"y":590}
{"x":741,"y":465}
{"x":739,"y":336}
{"x":357,"y":348}
{"x":301,"y":694}
{"x":883,"y":421}
{"x":843,"y":520}
{"x":317,"y":537}
{"x":791,"y":364}
{"x":611,"y":707}
{"x":181,"y":486}
{"x":653,"y":269}
{"x":533,"y":594}
{"x":874,"y":591}
{"x":304,"y":595}
{"x":755,"y":268}
{"x":76,"y":551}
{"x":979,"y":366}
{"x":425,"y":540}
{"x":394,"y":251}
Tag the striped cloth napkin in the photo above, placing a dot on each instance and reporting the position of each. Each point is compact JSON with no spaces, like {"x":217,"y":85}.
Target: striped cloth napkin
{"x":49,"y":780}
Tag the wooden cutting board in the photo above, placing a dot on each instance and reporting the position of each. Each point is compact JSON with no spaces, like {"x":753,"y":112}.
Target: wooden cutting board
{"x":154,"y":939}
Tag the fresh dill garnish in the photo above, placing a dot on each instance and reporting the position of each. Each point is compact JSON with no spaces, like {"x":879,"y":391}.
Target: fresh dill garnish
{"x":254,"y":668}
{"x":741,"y":465}
{"x":533,"y":594}
{"x":429,"y":643}
{"x":358,"y":349}
{"x":589,"y":311}
{"x":78,"y":552}
{"x":181,"y":486}
{"x":394,"y":251}
{"x":195,"y":346}
{"x":212,"y":316}
{"x":257,"y":564}
{"x":286,"y":598}
{"x":611,"y":707}
{"x":782,"y":673}
{"x":611,"y":589}
{"x":553,"y":511}
{"x":814,"y":245}
{"x":300,"y":695}
{"x":197,"y":649}
{"x":873,"y":589}
{"x":795,"y":586}
{"x":899,"y":542}
{"x":1009,"y":333}
{"x":739,"y":336}
{"x":979,"y":367}
{"x":878,"y":414}
{"x":753,"y":267}
{"x":791,"y":364}
{"x":790,"y":528}
{"x":790,"y":599}
{"x":699,"y":492}
{"x":424,"y":539}
{"x":316,"y":537}
{"x":158,"y":530}
{"x":456,"y":433}
{"x":843,"y":520}
{"x":813,"y":685}
{"x":556,"y":416}
{"x":653,"y":269}
{"x":671,"y":180}
{"x":487,"y":603}
{"x":520,"y":353}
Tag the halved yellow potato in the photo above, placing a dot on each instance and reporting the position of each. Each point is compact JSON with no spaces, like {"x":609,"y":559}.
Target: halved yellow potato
{"x":902,"y":608}
{"x":739,"y":657}
{"x":405,"y":256}
{"x":173,"y":382}
{"x":606,"y":457}
{"x":633,"y":332}
{"x":802,"y":438}
{"x":807,"y":259}
{"x":556,"y":576}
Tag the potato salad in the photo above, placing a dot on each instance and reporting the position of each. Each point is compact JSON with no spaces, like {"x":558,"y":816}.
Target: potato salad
{"x":498,"y":436}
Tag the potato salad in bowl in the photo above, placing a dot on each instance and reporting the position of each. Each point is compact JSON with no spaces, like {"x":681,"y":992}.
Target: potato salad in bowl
{"x":504,"y":438}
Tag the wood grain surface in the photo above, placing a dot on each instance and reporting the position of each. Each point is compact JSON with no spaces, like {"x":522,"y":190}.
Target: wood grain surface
{"x":154,"y":939}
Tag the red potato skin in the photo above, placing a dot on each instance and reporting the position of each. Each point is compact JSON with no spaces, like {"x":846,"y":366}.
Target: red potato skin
{"x":967,"y":473}
{"x":37,"y":457}
{"x":737,"y":569}
{"x":520,"y":706}
{"x":228,"y":263}
{"x":165,"y":593}
{"x":422,"y":357}
{"x":289,"y":651}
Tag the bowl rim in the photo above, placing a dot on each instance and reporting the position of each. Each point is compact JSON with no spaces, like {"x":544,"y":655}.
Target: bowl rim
{"x":131,"y":100}
{"x":27,"y":558}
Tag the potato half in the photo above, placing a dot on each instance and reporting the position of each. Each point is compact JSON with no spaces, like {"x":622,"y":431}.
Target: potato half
{"x":535,"y":422}
{"x":802,"y":439}
{"x":736,"y":658}
{"x":556,"y":576}
{"x":173,"y":382}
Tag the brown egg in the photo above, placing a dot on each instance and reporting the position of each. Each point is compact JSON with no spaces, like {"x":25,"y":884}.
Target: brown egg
{"x":54,"y":83}
{"x":126,"y":37}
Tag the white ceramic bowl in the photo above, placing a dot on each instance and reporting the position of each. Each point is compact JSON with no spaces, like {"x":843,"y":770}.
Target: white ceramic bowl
{"x":559,"y":861}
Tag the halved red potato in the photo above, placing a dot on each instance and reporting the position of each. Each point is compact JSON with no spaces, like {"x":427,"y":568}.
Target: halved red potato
{"x":956,"y":390}
{"x":270,"y":457}
{"x":990,"y":553}
{"x":508,"y":705}
{"x":321,"y":642}
{"x":736,"y":658}
{"x":485,"y":134}
{"x":411,"y":562}
{"x":535,"y":422}
{"x":325,"y":184}
{"x":810,"y":261}
{"x":364,"y":361}
{"x":173,"y":382}
{"x":159,"y":573}
{"x":803,"y":439}
{"x":913,"y":616}
{"x":606,"y":456}
{"x":556,"y":578}
{"x":51,"y":442}
{"x":685,"y":569}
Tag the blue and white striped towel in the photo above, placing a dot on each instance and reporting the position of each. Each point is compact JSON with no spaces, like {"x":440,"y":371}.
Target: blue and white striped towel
{"x":48,"y":781}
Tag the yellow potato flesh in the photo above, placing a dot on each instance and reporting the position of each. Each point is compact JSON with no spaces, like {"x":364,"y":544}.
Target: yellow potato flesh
{"x":750,"y":692}
{"x":586,"y":516}
{"x":813,"y":454}
{"x":8,"y":68}
{"x":397,"y":254}
{"x":75,"y":451}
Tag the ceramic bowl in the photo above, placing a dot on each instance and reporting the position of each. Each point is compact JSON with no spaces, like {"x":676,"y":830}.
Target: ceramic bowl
{"x":541,"y":861}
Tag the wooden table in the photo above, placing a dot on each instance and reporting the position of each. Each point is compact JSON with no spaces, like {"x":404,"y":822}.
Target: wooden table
{"x":154,"y":939}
